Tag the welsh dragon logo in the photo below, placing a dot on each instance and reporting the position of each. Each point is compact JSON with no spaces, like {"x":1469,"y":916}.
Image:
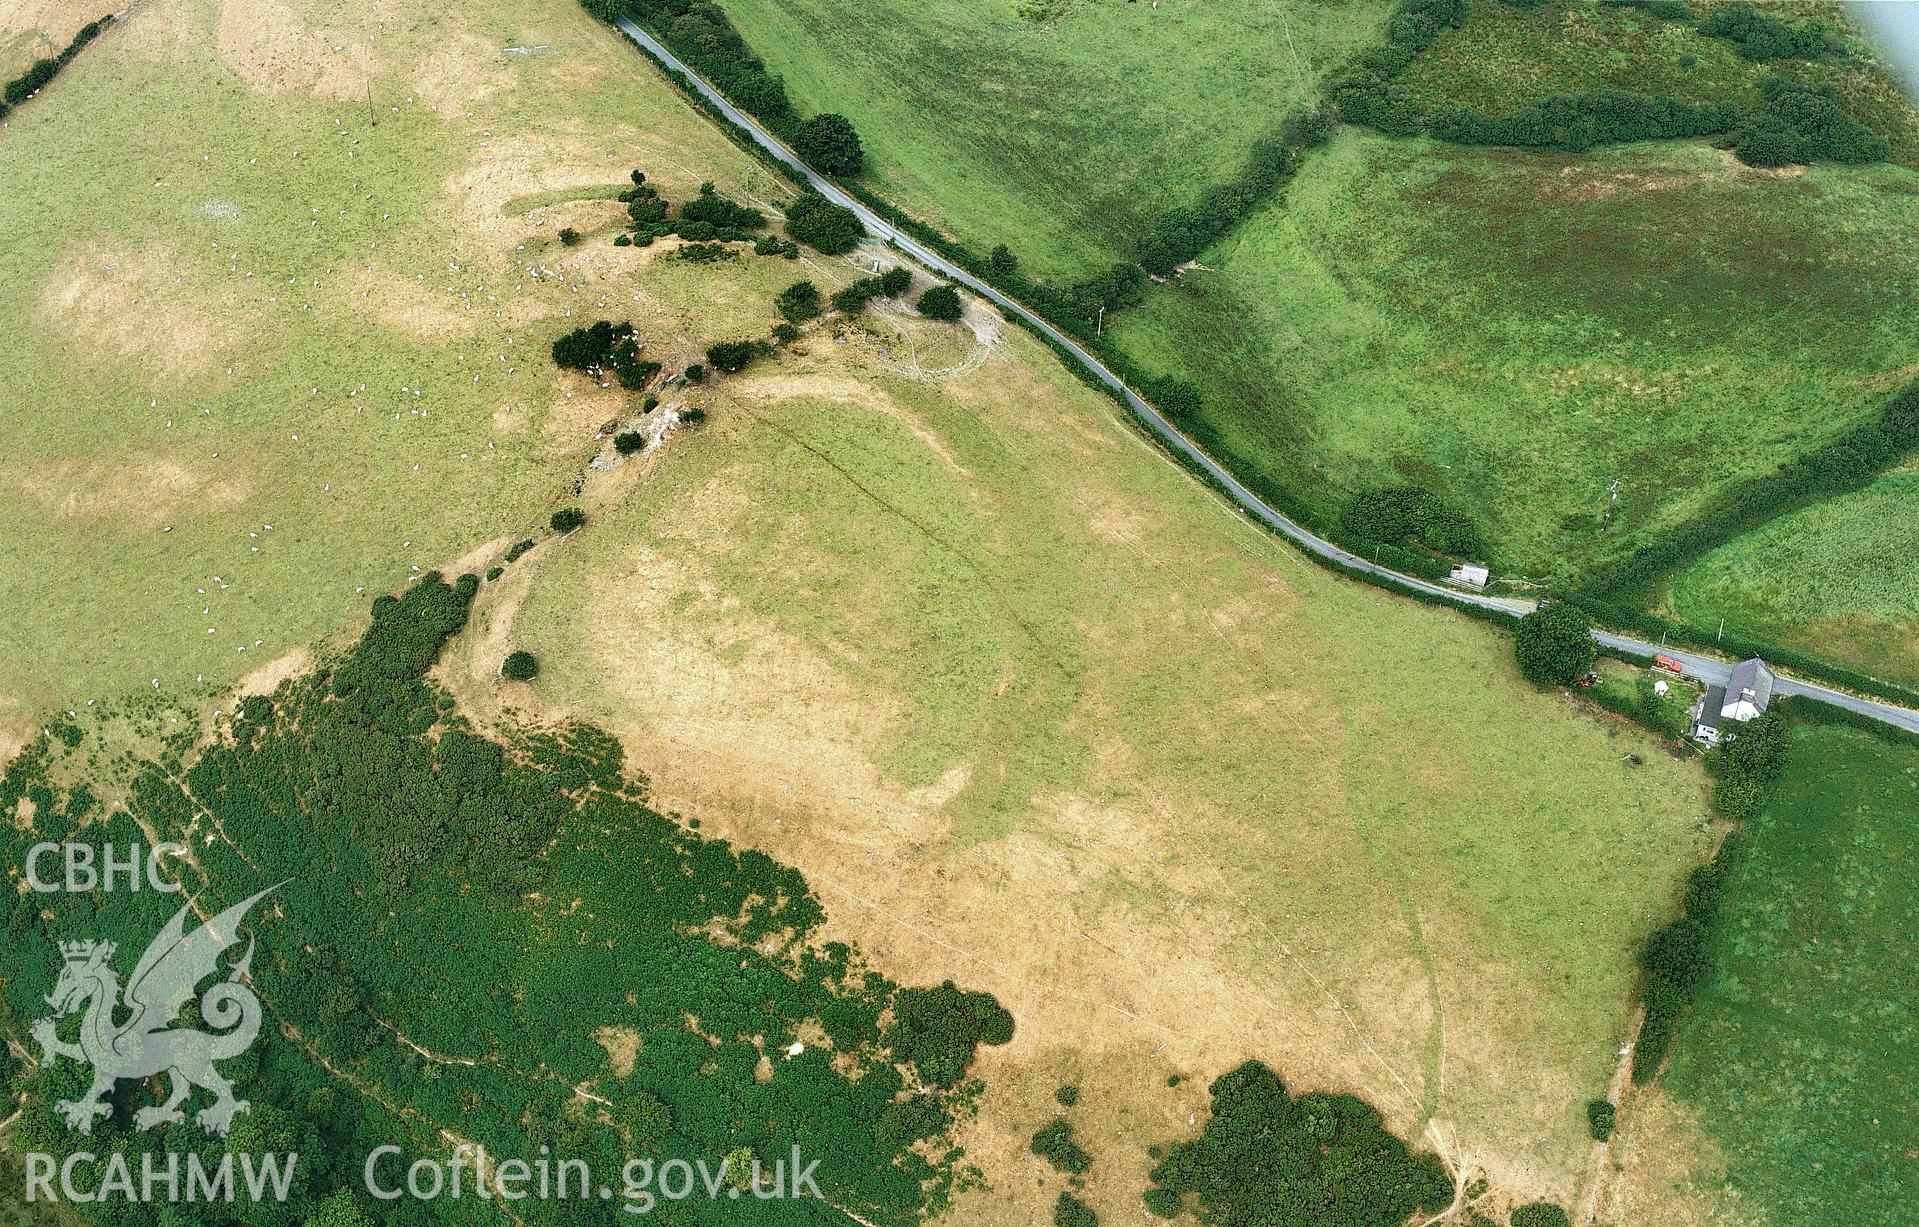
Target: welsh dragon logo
{"x":147,"y":1043}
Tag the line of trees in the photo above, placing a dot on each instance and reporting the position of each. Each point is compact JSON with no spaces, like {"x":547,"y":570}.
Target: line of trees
{"x":1677,"y":959}
{"x":1796,"y":123}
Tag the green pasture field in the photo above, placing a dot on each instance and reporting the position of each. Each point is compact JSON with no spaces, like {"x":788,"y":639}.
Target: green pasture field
{"x":1519,"y":331}
{"x":1799,"y":1057}
{"x":1058,"y":127}
{"x":266,"y":352}
{"x":1505,"y":56}
{"x":987,"y":597}
{"x":1840,"y":579}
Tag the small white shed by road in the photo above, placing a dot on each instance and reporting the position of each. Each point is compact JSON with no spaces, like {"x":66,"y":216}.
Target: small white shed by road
{"x":1472,"y":575}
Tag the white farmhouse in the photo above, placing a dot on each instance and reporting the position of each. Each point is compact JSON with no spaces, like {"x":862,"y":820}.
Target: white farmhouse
{"x":1746,"y":694}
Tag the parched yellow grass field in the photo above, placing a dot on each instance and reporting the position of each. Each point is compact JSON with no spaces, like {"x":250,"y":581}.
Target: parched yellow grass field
{"x":914,"y":611}
{"x":278,"y":284}
{"x":1033,"y":711}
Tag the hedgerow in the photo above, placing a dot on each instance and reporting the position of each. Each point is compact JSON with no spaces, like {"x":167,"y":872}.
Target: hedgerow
{"x":1846,"y":463}
{"x":1796,"y":123}
{"x":1677,"y":958}
{"x":702,"y":35}
{"x":44,"y":70}
{"x":1578,"y":122}
{"x":1410,"y":513}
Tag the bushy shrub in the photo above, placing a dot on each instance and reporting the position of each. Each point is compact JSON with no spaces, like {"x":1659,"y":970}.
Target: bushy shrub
{"x":590,"y":348}
{"x":720,"y":213}
{"x":1601,"y":1116}
{"x":732,"y":356}
{"x":520,"y":667}
{"x":896,"y":281}
{"x":566,"y":519}
{"x":1555,"y":644}
{"x":1054,"y":1143}
{"x":494,"y":572}
{"x":692,"y":415}
{"x":629,"y":441}
{"x":628,"y":367}
{"x":569,"y":237}
{"x":799,"y":301}
{"x":852,"y":299}
{"x":695,"y":372}
{"x":829,"y":143}
{"x":1070,"y":1211}
{"x":1541,"y":1214}
{"x":785,"y":333}
{"x":704,"y":253}
{"x":827,"y":228}
{"x":937,"y":1029}
{"x":1409,"y":513}
{"x":518,"y":548}
{"x":942,"y":302}
{"x":1758,"y":35}
{"x":622,"y":240}
{"x":1163,"y":1202}
{"x":1805,"y":123}
{"x":1264,"y":1156}
{"x":1067,"y":1095}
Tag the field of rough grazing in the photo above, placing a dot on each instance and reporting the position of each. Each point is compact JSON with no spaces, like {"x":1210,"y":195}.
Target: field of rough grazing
{"x":1839,"y":579}
{"x":1058,"y":127}
{"x":275,"y":334}
{"x":1519,"y":331}
{"x":1034,"y":711}
{"x":914,"y":613}
{"x":1792,"y":1082}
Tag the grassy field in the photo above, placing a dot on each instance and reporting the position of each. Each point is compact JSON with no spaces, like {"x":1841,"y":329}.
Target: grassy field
{"x":266,"y":352}
{"x":1033,"y":710}
{"x":1519,"y":332}
{"x":1838,"y":579}
{"x":1505,"y":56}
{"x":1057,"y":127}
{"x":1796,"y":1069}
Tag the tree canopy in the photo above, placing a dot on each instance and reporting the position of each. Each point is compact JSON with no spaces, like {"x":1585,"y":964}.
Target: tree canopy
{"x":830,"y":144}
{"x":1555,"y":644}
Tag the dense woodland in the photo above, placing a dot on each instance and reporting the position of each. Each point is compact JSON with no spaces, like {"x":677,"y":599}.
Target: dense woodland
{"x":504,"y":905}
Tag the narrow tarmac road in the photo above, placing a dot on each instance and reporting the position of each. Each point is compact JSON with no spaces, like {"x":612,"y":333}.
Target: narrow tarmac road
{"x":1705,"y":668}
